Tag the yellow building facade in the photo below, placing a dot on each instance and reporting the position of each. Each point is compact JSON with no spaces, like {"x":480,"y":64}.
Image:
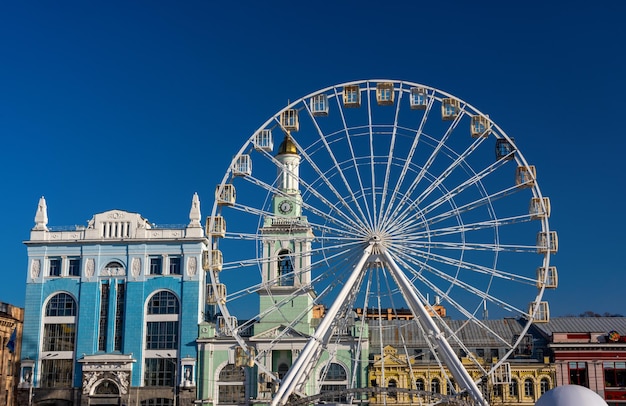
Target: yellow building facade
{"x":410,"y":381}
{"x":11,"y":319}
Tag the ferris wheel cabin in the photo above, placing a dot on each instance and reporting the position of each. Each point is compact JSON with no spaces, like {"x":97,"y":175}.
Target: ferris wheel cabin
{"x":547,"y":277}
{"x":263,"y":141}
{"x":352,"y":96}
{"x":504,"y":149}
{"x":384,"y":94}
{"x":319,"y":105}
{"x":419,"y":98}
{"x":450,"y":108}
{"x":480,"y":126}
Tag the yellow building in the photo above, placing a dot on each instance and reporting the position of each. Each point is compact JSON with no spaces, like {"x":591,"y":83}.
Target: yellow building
{"x":11,"y":319}
{"x":418,"y":382}
{"x":404,"y":370}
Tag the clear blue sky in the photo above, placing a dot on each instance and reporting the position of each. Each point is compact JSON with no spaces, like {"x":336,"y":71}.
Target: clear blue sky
{"x":137,"y":105}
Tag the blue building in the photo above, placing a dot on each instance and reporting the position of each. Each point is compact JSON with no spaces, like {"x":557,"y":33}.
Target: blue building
{"x":112,"y":311}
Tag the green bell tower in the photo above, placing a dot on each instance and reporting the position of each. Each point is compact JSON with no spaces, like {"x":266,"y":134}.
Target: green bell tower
{"x":285,"y":294}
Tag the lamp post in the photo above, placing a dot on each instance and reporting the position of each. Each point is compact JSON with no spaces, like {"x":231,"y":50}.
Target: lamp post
{"x":175,"y":388}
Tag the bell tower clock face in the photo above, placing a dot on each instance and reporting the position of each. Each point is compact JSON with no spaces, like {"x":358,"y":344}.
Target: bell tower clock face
{"x":285,"y":207}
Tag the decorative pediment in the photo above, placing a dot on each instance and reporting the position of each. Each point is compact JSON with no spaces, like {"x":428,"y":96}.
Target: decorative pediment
{"x":282,"y":331}
{"x":109,"y":372}
{"x":117,"y":224}
{"x":390,"y":357}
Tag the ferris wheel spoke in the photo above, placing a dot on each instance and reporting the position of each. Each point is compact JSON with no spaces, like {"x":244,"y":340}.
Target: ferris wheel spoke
{"x":466,"y":246}
{"x":470,"y":266}
{"x":458,"y":189}
{"x":372,"y":154}
{"x":349,"y":224}
{"x":381,"y":216}
{"x":461,"y":159}
{"x":310,"y":161}
{"x":457,"y":211}
{"x":418,"y":232}
{"x":410,"y":155}
{"x":348,"y":137}
{"x":469,"y":315}
{"x":426,"y":167}
{"x":477,"y":178}
{"x":454,"y":281}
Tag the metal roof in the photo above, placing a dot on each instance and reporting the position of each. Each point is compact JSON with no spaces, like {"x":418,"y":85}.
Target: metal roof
{"x":583,"y":325}
{"x":471,"y":334}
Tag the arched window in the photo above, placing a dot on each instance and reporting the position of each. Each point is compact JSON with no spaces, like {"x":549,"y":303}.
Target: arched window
{"x":544,"y":386}
{"x":419,"y":384}
{"x":232,"y":389}
{"x":285,"y":268}
{"x":529,"y":387}
{"x":393,"y":393}
{"x":513,"y":388}
{"x":450,"y":387}
{"x":61,"y":304}
{"x":59,"y":334}
{"x":232,"y":373}
{"x":334,"y":372}
{"x":161,"y":339}
{"x":107,"y":388}
{"x":113,"y":268}
{"x":162,"y":321}
{"x":163,"y":302}
{"x":334,"y":382}
{"x":435,"y":386}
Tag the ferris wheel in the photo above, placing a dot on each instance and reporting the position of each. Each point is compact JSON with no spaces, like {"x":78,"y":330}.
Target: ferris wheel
{"x":375,"y":200}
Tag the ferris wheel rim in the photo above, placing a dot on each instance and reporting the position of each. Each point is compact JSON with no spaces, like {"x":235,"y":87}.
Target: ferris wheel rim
{"x":519,"y":158}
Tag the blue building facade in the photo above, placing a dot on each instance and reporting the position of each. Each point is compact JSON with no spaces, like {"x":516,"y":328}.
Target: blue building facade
{"x":112,"y":311}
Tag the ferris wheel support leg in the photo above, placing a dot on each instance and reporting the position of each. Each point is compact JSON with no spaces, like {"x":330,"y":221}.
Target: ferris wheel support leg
{"x":301,"y":369}
{"x":455,"y":366}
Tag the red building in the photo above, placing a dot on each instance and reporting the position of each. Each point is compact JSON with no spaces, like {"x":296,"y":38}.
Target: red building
{"x":591,"y":352}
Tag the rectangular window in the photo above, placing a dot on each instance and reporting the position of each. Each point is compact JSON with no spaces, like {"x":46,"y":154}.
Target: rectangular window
{"x":494,"y":353}
{"x":156,"y":266}
{"x":578,"y":373}
{"x":614,"y":374}
{"x":104,"y":317}
{"x":55,"y":267}
{"x":59,"y":337}
{"x":513,"y":390}
{"x":56,"y":373}
{"x":159,"y":372}
{"x":119,"y":317}
{"x":175,"y":265}
{"x":74,"y":267}
{"x":525,"y":347}
{"x":480,"y":352}
{"x":233,"y":394}
{"x":161,"y":335}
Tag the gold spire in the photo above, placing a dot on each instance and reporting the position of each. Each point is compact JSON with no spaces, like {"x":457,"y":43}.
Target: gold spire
{"x":287,"y":146}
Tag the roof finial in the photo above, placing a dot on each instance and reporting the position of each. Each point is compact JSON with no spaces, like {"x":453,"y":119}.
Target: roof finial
{"x":194,"y":213}
{"x":41,"y":217}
